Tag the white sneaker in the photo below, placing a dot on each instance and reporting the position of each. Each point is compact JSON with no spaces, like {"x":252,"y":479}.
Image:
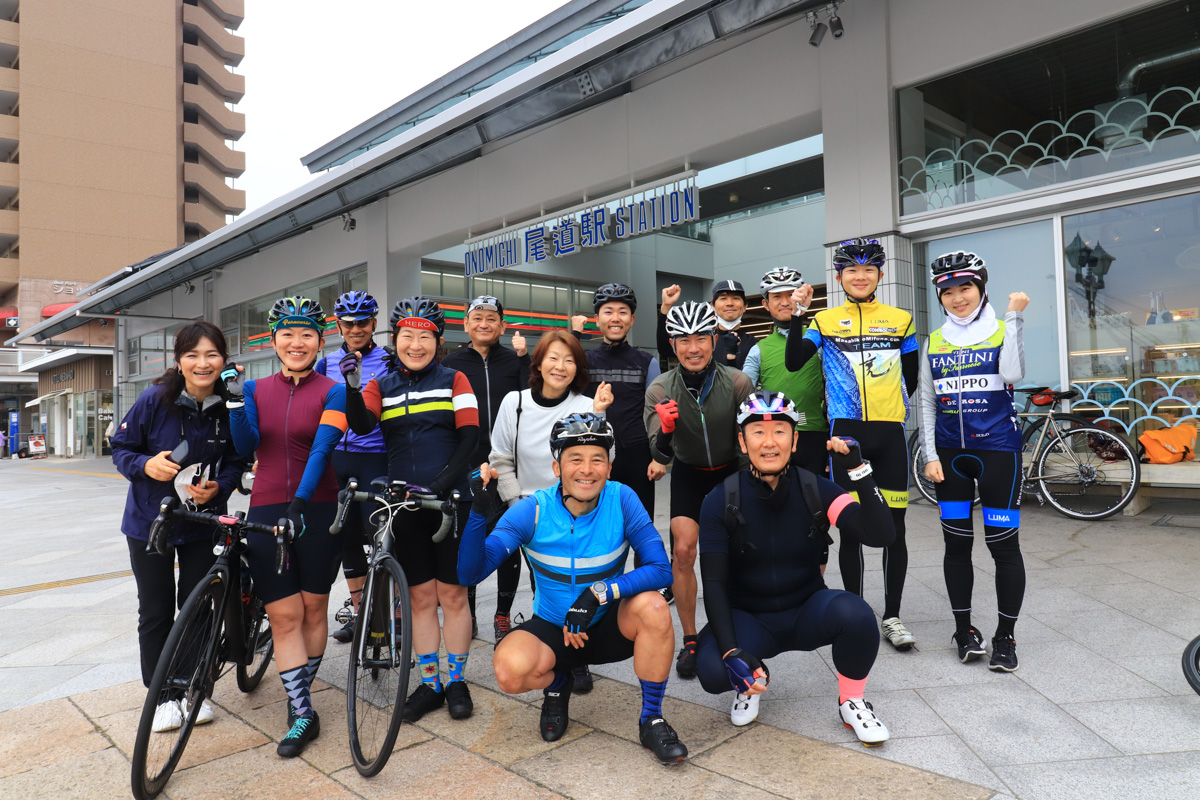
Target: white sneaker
{"x":167,"y":717}
{"x":895,"y":632}
{"x":858,"y":715}
{"x":205,"y":715}
{"x":745,"y":709}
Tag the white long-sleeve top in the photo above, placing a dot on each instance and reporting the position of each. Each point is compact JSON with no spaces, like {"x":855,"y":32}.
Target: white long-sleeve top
{"x":521,"y":452}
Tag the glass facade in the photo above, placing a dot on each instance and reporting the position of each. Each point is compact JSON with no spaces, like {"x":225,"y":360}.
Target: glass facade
{"x":532,"y":304}
{"x":1119,"y":96}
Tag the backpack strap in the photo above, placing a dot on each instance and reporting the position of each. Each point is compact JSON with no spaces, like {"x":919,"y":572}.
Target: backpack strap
{"x":735,"y":523}
{"x":819,"y":530}
{"x":517,"y":439}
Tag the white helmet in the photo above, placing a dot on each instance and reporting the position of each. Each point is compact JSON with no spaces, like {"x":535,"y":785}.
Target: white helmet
{"x":781,"y":279}
{"x":691,"y":317}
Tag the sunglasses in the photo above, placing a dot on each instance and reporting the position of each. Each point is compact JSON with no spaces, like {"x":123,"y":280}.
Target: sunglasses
{"x":358,"y":323}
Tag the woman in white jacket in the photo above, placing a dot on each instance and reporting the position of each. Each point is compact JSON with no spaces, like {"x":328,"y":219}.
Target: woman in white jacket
{"x":558,"y":376}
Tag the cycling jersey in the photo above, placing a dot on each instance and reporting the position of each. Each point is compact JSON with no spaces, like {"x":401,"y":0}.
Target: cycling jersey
{"x":629,"y":371}
{"x":293,"y":427}
{"x":705,"y":434}
{"x":375,"y":361}
{"x":570,"y":553}
{"x":967,"y":397}
{"x":806,"y":388}
{"x":862,"y":346}
{"x":491,"y":378}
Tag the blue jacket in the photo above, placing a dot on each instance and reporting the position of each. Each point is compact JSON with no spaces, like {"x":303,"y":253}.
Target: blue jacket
{"x":374,"y":365}
{"x":152,"y":426}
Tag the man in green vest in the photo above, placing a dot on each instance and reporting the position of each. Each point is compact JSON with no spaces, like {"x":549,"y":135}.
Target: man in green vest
{"x":806,"y":388}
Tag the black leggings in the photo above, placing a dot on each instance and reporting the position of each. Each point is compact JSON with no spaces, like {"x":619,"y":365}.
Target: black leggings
{"x":159,"y":594}
{"x":1000,"y":496}
{"x":829,"y":616}
{"x":366,"y":467}
{"x":629,"y":467}
{"x":883,"y":444}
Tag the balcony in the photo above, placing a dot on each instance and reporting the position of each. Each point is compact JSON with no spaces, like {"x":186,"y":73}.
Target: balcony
{"x":10,"y":175}
{"x":212,"y":31}
{"x":232,"y":124}
{"x":10,"y":226}
{"x":212,"y":185}
{"x":231,"y":86}
{"x":10,"y":273}
{"x":233,"y":162}
{"x":10,"y":42}
{"x":202,"y":217}
{"x":230,"y":12}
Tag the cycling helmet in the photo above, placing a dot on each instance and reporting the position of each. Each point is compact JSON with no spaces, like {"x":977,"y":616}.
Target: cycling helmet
{"x":614,"y":291}
{"x":691,"y":317}
{"x":781,"y":279}
{"x":420,"y":313}
{"x":485,"y":302}
{"x":858,"y":252}
{"x":579,"y":429}
{"x":728,"y":287}
{"x":293,"y":311}
{"x":955,"y":269}
{"x":760,"y":406}
{"x":355,"y":306}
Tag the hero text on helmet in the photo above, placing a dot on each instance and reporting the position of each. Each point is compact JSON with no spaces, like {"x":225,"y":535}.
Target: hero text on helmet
{"x":691,"y":317}
{"x":762,"y":405}
{"x":294,"y":310}
{"x":859,"y":252}
{"x":581,"y":429}
{"x":781,"y":279}
{"x":420,"y":313}
{"x":955,"y":269}
{"x":354,"y":306}
{"x":611,"y":292}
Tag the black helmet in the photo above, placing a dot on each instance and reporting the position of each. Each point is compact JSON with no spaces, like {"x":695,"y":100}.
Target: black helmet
{"x":955,"y":269}
{"x":418,"y":312}
{"x":580,"y":429}
{"x":614,"y":291}
{"x":857,"y":252}
{"x":296,"y":306}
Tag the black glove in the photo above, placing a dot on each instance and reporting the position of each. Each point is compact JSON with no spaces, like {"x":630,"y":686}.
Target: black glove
{"x":741,"y":667}
{"x":732,"y":343}
{"x":420,"y":492}
{"x":579,"y":617}
{"x":350,"y":371}
{"x":485,"y":500}
{"x":234,"y":384}
{"x":295,"y":515}
{"x":849,"y":461}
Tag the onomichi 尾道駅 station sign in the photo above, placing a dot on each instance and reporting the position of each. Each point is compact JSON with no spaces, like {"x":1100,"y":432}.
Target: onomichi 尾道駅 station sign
{"x":645,"y":209}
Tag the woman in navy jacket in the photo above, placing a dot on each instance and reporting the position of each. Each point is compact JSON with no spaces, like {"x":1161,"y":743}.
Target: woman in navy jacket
{"x":182,"y":405}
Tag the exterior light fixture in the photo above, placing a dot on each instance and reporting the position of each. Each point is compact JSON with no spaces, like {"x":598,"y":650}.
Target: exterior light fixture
{"x":818,"y":29}
{"x":835,"y":22}
{"x":349,"y":223}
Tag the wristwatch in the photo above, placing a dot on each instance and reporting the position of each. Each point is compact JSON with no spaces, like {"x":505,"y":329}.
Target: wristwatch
{"x":600,"y":589}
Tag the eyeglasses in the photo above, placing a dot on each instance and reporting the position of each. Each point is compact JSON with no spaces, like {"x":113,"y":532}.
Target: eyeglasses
{"x":358,"y":323}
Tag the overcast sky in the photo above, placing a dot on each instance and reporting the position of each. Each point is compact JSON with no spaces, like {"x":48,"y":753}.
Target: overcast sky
{"x":316,"y":69}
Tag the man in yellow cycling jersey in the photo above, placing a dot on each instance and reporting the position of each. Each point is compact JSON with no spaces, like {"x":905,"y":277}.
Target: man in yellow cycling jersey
{"x":870,"y":357}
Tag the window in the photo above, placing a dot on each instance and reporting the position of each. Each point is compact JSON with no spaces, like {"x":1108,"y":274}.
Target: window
{"x":230,"y":326}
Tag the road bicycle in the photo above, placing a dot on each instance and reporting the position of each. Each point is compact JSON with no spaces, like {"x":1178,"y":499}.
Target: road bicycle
{"x":222,"y":624}
{"x":1084,"y":471}
{"x":1191,"y":664}
{"x":381,"y":651}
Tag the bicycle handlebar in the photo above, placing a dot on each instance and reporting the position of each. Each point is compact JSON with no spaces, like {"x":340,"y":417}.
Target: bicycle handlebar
{"x":169,"y":511}
{"x":396,"y":494}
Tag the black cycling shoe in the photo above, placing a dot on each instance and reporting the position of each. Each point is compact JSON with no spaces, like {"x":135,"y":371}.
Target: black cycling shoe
{"x":1004,"y":654}
{"x":344,"y":634}
{"x":555,"y":711}
{"x":583,"y":679}
{"x":421,"y":702}
{"x":970,"y":644}
{"x":685,"y":664}
{"x":303,"y":731}
{"x":458,"y":700}
{"x":658,"y":736}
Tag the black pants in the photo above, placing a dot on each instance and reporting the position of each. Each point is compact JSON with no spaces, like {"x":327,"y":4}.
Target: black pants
{"x":160,"y":596}
{"x":883,"y":444}
{"x":811,"y":452}
{"x":366,"y":467}
{"x":629,"y":467}
{"x":998,"y":474}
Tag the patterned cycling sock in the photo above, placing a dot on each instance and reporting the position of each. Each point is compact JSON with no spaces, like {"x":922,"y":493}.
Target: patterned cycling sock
{"x":652,"y":697}
{"x":455,"y":664}
{"x":430,"y":670}
{"x":850,"y":689}
{"x":295,"y":683}
{"x":560,"y":680}
{"x":314,"y":664}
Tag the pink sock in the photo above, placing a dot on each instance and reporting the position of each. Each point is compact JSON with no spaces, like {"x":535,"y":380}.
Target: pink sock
{"x":850,"y":689}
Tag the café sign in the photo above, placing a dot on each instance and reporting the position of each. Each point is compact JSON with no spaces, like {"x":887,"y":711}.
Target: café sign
{"x":652,"y":207}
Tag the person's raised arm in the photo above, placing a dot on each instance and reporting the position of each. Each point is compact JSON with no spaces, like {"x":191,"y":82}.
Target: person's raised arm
{"x":801,"y":346}
{"x":243,"y":411}
{"x":1012,"y":352}
{"x":867,"y":520}
{"x":910,"y":354}
{"x":466,"y":422}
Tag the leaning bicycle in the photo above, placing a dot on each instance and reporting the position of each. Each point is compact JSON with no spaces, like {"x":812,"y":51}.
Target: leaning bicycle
{"x":1191,"y":664}
{"x":381,"y":651}
{"x":222,"y":625}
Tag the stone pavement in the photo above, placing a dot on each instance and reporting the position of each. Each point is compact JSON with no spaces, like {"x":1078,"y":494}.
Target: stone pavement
{"x":1099,"y":708}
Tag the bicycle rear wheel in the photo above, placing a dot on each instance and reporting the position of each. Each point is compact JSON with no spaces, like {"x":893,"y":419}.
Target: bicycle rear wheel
{"x":1087,"y":473}
{"x":1191,"y":664}
{"x":917,"y":469}
{"x":260,"y":646}
{"x":1033,"y":430}
{"x":380,"y":661}
{"x":185,"y":671}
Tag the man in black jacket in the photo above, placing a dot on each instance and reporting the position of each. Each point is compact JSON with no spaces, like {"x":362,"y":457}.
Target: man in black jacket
{"x":493,"y":370}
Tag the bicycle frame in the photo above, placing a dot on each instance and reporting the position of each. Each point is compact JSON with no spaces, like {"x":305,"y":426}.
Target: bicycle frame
{"x":1051,"y":415}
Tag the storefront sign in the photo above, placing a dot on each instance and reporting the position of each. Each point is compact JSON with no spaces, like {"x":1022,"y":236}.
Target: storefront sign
{"x":14,"y":429}
{"x":65,"y":287}
{"x":60,"y":377}
{"x":37,"y":444}
{"x":12,"y":322}
{"x":663,"y":204}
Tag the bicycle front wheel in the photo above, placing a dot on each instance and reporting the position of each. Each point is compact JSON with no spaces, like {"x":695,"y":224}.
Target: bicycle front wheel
{"x":380,"y":661}
{"x":260,"y":646}
{"x":1191,"y":664}
{"x":926,"y":487}
{"x":1087,"y":473}
{"x":184,"y":676}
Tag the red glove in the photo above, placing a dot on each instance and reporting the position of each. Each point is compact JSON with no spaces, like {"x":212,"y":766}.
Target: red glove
{"x":668,"y":413}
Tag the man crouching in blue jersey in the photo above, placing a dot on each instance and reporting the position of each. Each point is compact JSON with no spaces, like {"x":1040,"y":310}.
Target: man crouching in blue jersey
{"x":587,"y":610}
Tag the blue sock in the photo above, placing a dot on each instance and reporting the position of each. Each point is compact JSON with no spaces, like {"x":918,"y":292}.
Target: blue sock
{"x":560,"y":680}
{"x":296,"y":686}
{"x":430,"y":670}
{"x":652,"y":697}
{"x":455,"y":663}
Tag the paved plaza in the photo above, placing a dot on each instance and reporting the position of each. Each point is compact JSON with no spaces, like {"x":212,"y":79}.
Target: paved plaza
{"x":1098,"y":709}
